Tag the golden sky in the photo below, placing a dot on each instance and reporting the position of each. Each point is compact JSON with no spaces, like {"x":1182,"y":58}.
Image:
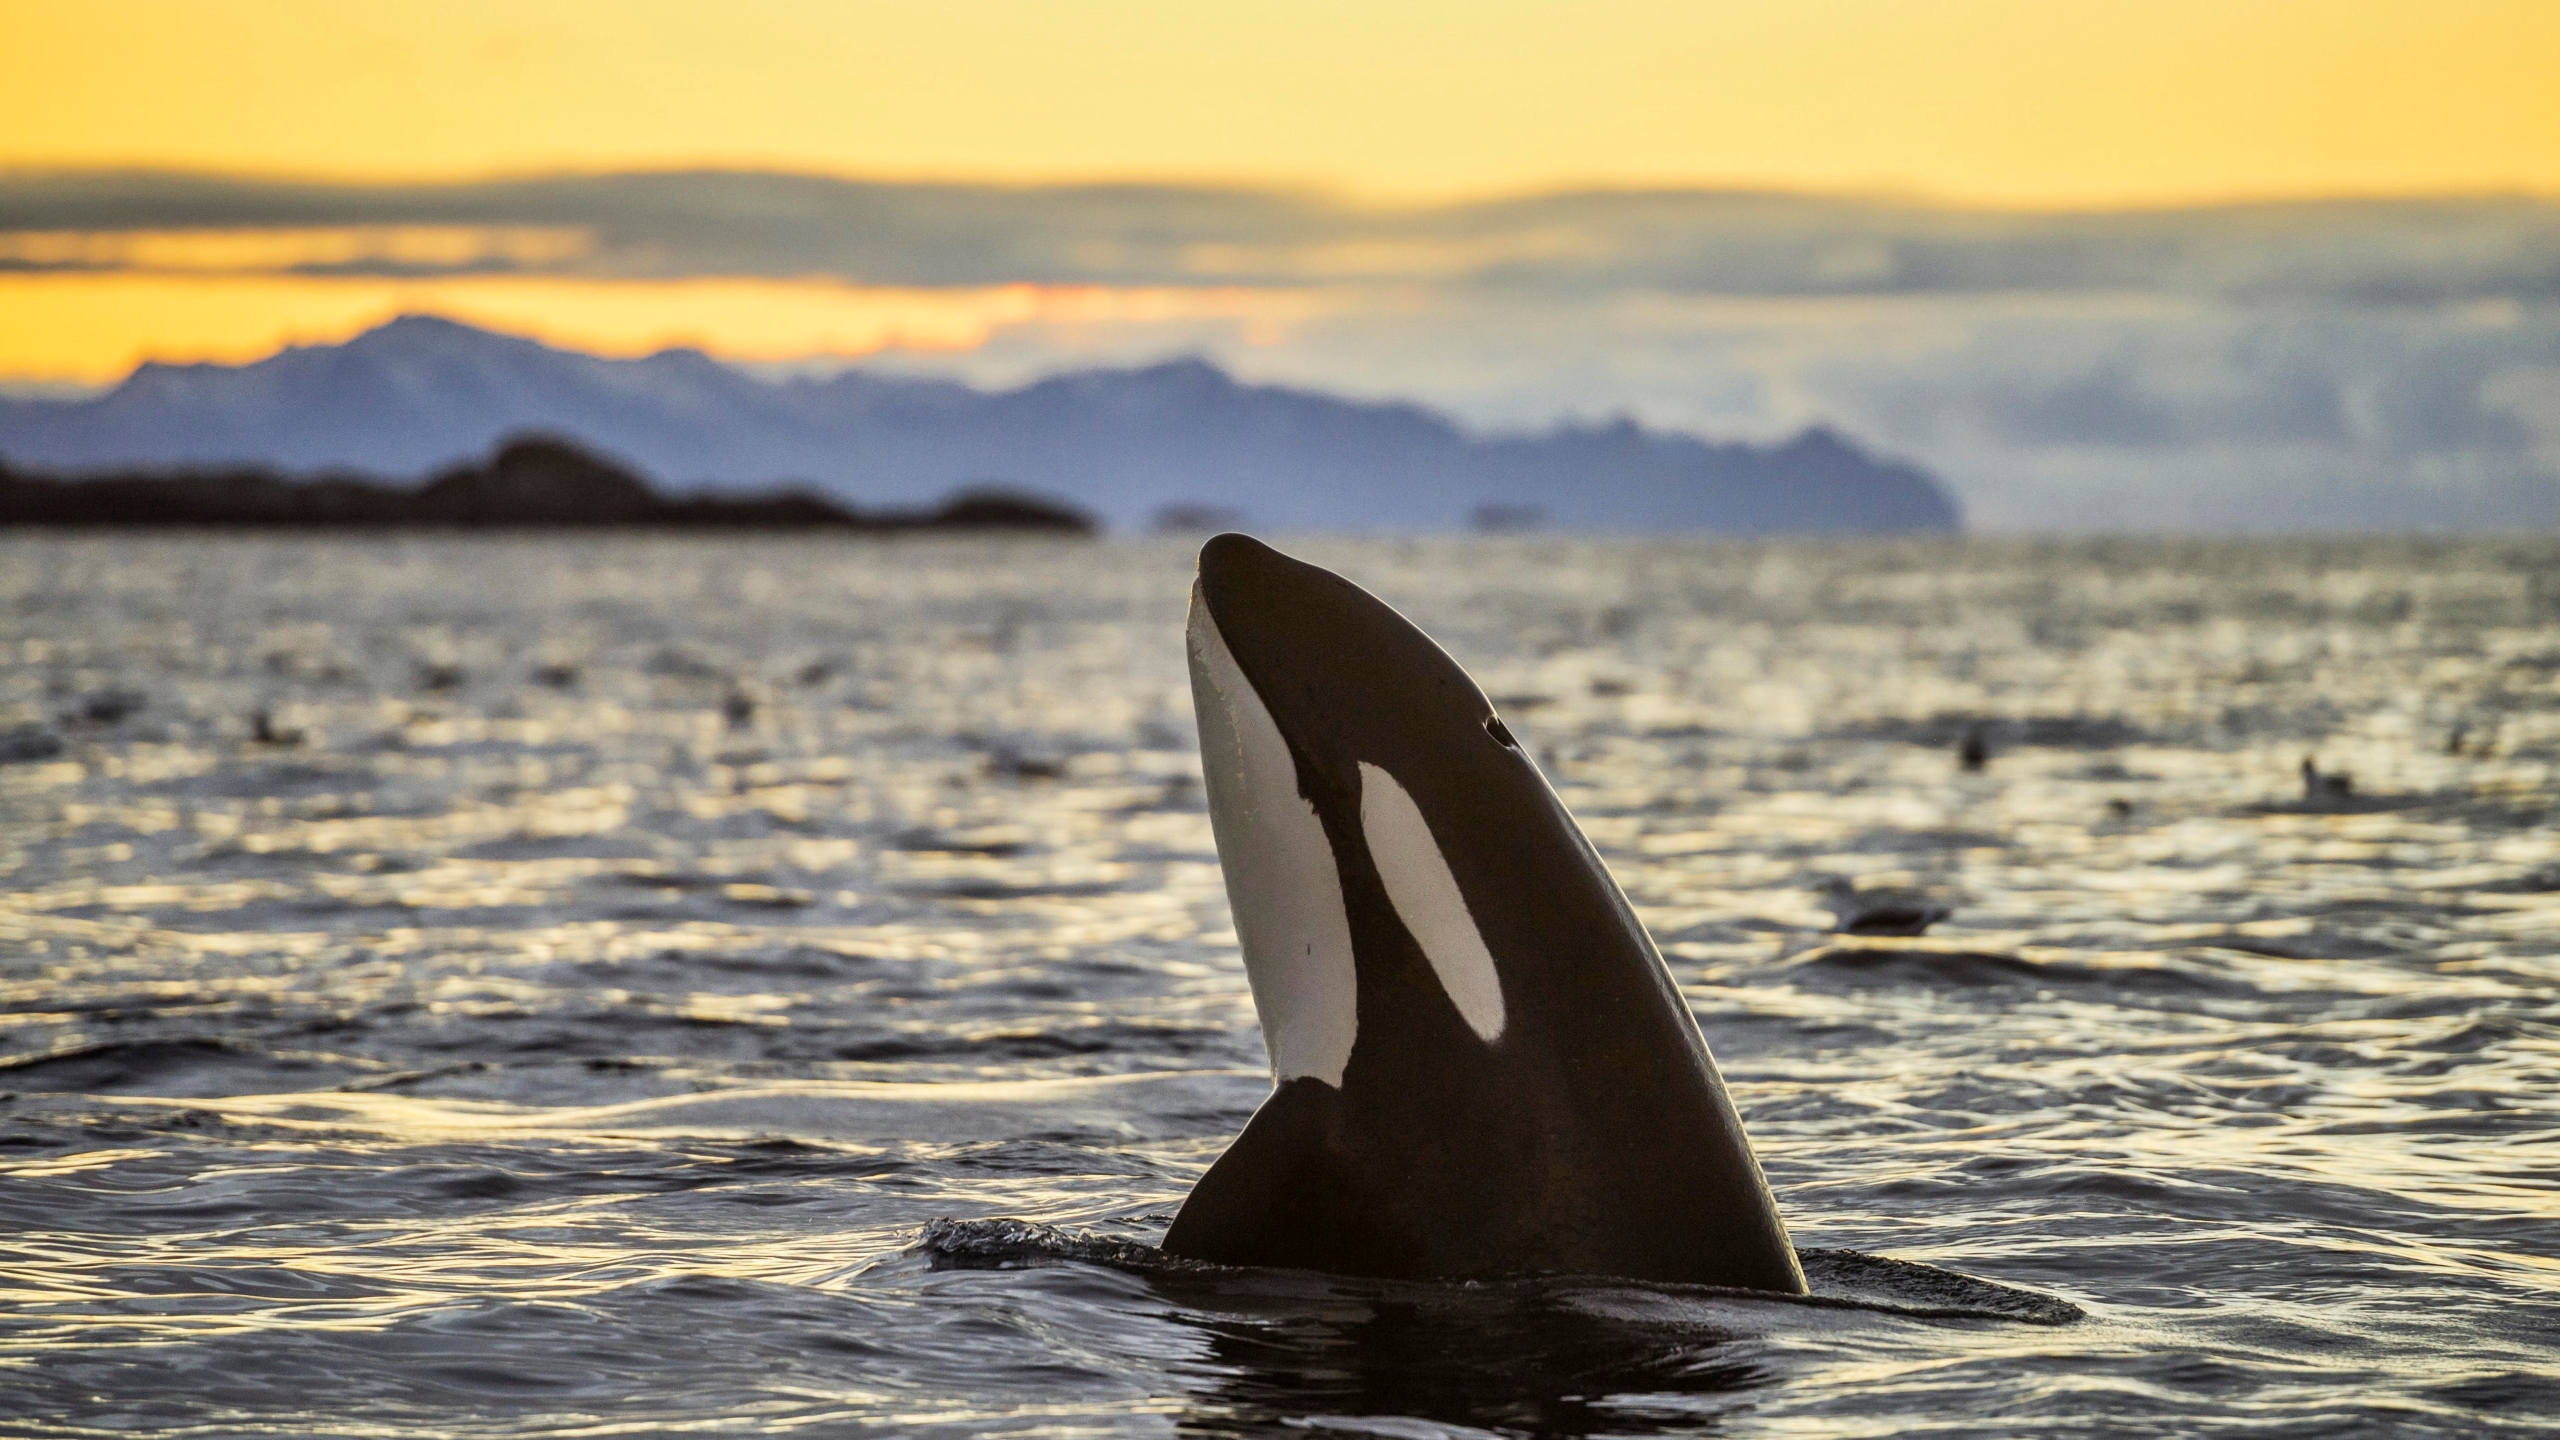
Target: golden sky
{"x":2013,"y":103}
{"x":2004,"y":101}
{"x":94,"y":328}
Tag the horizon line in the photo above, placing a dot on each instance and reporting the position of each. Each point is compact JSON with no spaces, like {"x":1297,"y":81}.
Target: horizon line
{"x":1880,"y":192}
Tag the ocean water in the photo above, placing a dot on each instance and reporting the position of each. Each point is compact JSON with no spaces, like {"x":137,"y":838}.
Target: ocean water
{"x":578,"y":987}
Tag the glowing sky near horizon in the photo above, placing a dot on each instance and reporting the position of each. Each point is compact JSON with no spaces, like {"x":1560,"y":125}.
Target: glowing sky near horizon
{"x":89,"y":329}
{"x":2006,"y":103}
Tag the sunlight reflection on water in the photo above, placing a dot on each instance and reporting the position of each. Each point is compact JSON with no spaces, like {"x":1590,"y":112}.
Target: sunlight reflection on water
{"x":523,"y":987}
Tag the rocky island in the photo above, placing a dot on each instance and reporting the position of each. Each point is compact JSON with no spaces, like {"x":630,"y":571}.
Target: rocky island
{"x":530,"y":482}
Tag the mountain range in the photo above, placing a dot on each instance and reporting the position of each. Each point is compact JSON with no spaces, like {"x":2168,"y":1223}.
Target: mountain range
{"x":1177,"y":440}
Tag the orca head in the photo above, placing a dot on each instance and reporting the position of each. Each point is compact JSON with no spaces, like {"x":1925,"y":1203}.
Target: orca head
{"x":1481,"y":1063}
{"x":1368,"y":803}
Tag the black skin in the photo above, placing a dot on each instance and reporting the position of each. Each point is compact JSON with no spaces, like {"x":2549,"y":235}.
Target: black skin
{"x":1594,"y":1136}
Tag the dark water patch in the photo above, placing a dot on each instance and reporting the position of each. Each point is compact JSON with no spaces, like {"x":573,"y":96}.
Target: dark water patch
{"x":984,"y":889}
{"x":106,"y":707}
{"x":1897,"y":841}
{"x":412,"y":1080}
{"x":2517,"y":1393}
{"x":536,"y":1174}
{"x":476,"y":1185}
{"x":1504,"y":1364}
{"x":247,"y":1177}
{"x":997,"y":841}
{"x":1007,"y":763}
{"x":1019,"y":1046}
{"x":121,"y":1008}
{"x":557,"y":847}
{"x":638,"y":1035}
{"x":1056,"y":1042}
{"x":1052,"y":1155}
{"x":302,"y":779}
{"x":1948,"y":729}
{"x":780,"y":1156}
{"x":227,"y":858}
{"x":183,"y":1066}
{"x":1868,"y":965}
{"x":2540,"y":880}
{"x":681,"y":880}
{"x":25,"y":744}
{"x":1736,"y":1033}
{"x":787,"y":962}
{"x":2341,"y":805}
{"x":2486,"y":1033}
{"x":2317,"y":945}
{"x":2494,"y":813}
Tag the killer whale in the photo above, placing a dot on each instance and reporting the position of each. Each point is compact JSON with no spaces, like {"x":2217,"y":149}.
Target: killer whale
{"x":1481,"y":1064}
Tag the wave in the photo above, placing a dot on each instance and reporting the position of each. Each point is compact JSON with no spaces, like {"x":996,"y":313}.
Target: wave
{"x":1841,"y":1279}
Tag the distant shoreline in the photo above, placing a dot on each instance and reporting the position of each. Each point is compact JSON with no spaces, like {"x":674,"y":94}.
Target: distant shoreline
{"x":1165,"y":446}
{"x":533,"y":482}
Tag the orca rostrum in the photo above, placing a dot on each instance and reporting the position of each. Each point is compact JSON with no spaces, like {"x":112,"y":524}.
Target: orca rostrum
{"x":1481,"y":1065}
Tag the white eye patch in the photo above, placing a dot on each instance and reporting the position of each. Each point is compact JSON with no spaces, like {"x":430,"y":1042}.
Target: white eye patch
{"x":1427,"y":899}
{"x":1281,"y":880}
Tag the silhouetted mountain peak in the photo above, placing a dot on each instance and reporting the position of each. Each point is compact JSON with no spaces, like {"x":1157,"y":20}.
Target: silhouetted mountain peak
{"x":1183,"y":372}
{"x":1823,"y":441}
{"x":1187,"y":380}
{"x":430,"y":338}
{"x":419,"y":328}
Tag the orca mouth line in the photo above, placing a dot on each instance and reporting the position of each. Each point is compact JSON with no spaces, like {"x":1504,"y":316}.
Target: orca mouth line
{"x":1849,"y":1280}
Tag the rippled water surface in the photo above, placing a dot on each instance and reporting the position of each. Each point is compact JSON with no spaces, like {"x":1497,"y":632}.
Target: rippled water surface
{"x":558,"y":987}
